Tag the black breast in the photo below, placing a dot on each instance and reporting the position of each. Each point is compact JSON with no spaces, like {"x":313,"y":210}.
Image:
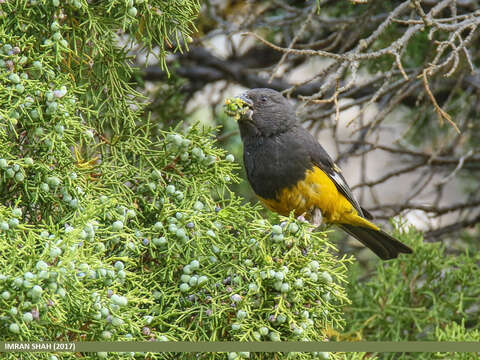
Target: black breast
{"x":275,"y":162}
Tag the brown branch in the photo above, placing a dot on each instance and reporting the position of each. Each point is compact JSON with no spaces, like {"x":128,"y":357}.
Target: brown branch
{"x":441,"y":113}
{"x":435,"y":235}
{"x":427,"y":208}
{"x":392,"y":174}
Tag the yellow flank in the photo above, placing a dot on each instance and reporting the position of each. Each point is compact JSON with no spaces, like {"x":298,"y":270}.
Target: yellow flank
{"x":316,"y":190}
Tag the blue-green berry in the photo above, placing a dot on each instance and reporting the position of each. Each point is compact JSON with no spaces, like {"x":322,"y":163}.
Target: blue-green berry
{"x":119,"y":300}
{"x":179,"y":195}
{"x":159,"y":241}
{"x":132,"y":11}
{"x":325,"y":277}
{"x":158,"y":226}
{"x":193,"y":280}
{"x":117,"y":321}
{"x":17,"y":212}
{"x":13,"y":77}
{"x":14,"y":328}
{"x":298,"y":283}
{"x":187,"y":269}
{"x":280,"y":275}
{"x":29,"y":275}
{"x":241,"y":314}
{"x":54,"y":26}
{"x":35,"y":115}
{"x":53,"y":181}
{"x":293,"y":228}
{"x":7,"y":48}
{"x":263,"y":331}
{"x":37,"y":291}
{"x":274,"y":336}
{"x":37,"y":65}
{"x":180,"y":233}
{"x":198,"y":206}
{"x":184,"y":287}
{"x":104,"y":312}
{"x":106,"y":335}
{"x":195,"y":264}
{"x":57,"y":36}
{"x":13,"y":223}
{"x":20,"y":88}
{"x":236,"y":298}
{"x":202,"y":280}
{"x":54,"y":252}
{"x":277,"y":285}
{"x":285,"y":288}
{"x":19,"y":177}
{"x":277,"y":229}
{"x":27,"y":317}
{"x":59,"y":128}
{"x":172,"y":228}
{"x":10,"y":173}
{"x":281,"y":318}
{"x":277,"y":237}
{"x":117,"y":225}
{"x":184,"y":156}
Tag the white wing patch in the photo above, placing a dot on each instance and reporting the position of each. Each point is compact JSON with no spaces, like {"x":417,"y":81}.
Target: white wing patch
{"x":341,"y":184}
{"x":338,"y":179}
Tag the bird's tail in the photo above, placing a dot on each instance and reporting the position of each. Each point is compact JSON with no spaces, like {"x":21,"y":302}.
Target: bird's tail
{"x":381,"y":243}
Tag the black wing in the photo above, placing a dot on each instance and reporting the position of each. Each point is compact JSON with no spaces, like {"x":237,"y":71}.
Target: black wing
{"x":321,"y":159}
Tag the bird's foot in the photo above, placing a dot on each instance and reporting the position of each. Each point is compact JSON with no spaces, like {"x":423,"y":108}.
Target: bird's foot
{"x":317,"y":220}
{"x":316,"y":217}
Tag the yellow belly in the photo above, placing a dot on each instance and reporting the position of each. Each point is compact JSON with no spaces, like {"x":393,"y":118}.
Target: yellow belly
{"x":316,"y":190}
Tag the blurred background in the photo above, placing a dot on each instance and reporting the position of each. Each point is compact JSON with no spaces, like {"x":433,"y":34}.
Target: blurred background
{"x":394,"y":102}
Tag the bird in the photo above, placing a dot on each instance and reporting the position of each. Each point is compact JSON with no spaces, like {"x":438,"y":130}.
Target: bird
{"x":289,"y":170}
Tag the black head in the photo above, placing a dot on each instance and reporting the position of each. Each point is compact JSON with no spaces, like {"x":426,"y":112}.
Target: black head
{"x":269,"y":113}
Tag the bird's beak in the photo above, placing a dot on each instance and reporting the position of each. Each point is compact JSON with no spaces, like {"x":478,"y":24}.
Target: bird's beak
{"x":246,"y":100}
{"x":247,"y":112}
{"x":240,"y":107}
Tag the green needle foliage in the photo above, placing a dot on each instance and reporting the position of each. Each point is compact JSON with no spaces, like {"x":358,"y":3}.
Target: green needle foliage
{"x":112,"y":230}
{"x":429,"y":296}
